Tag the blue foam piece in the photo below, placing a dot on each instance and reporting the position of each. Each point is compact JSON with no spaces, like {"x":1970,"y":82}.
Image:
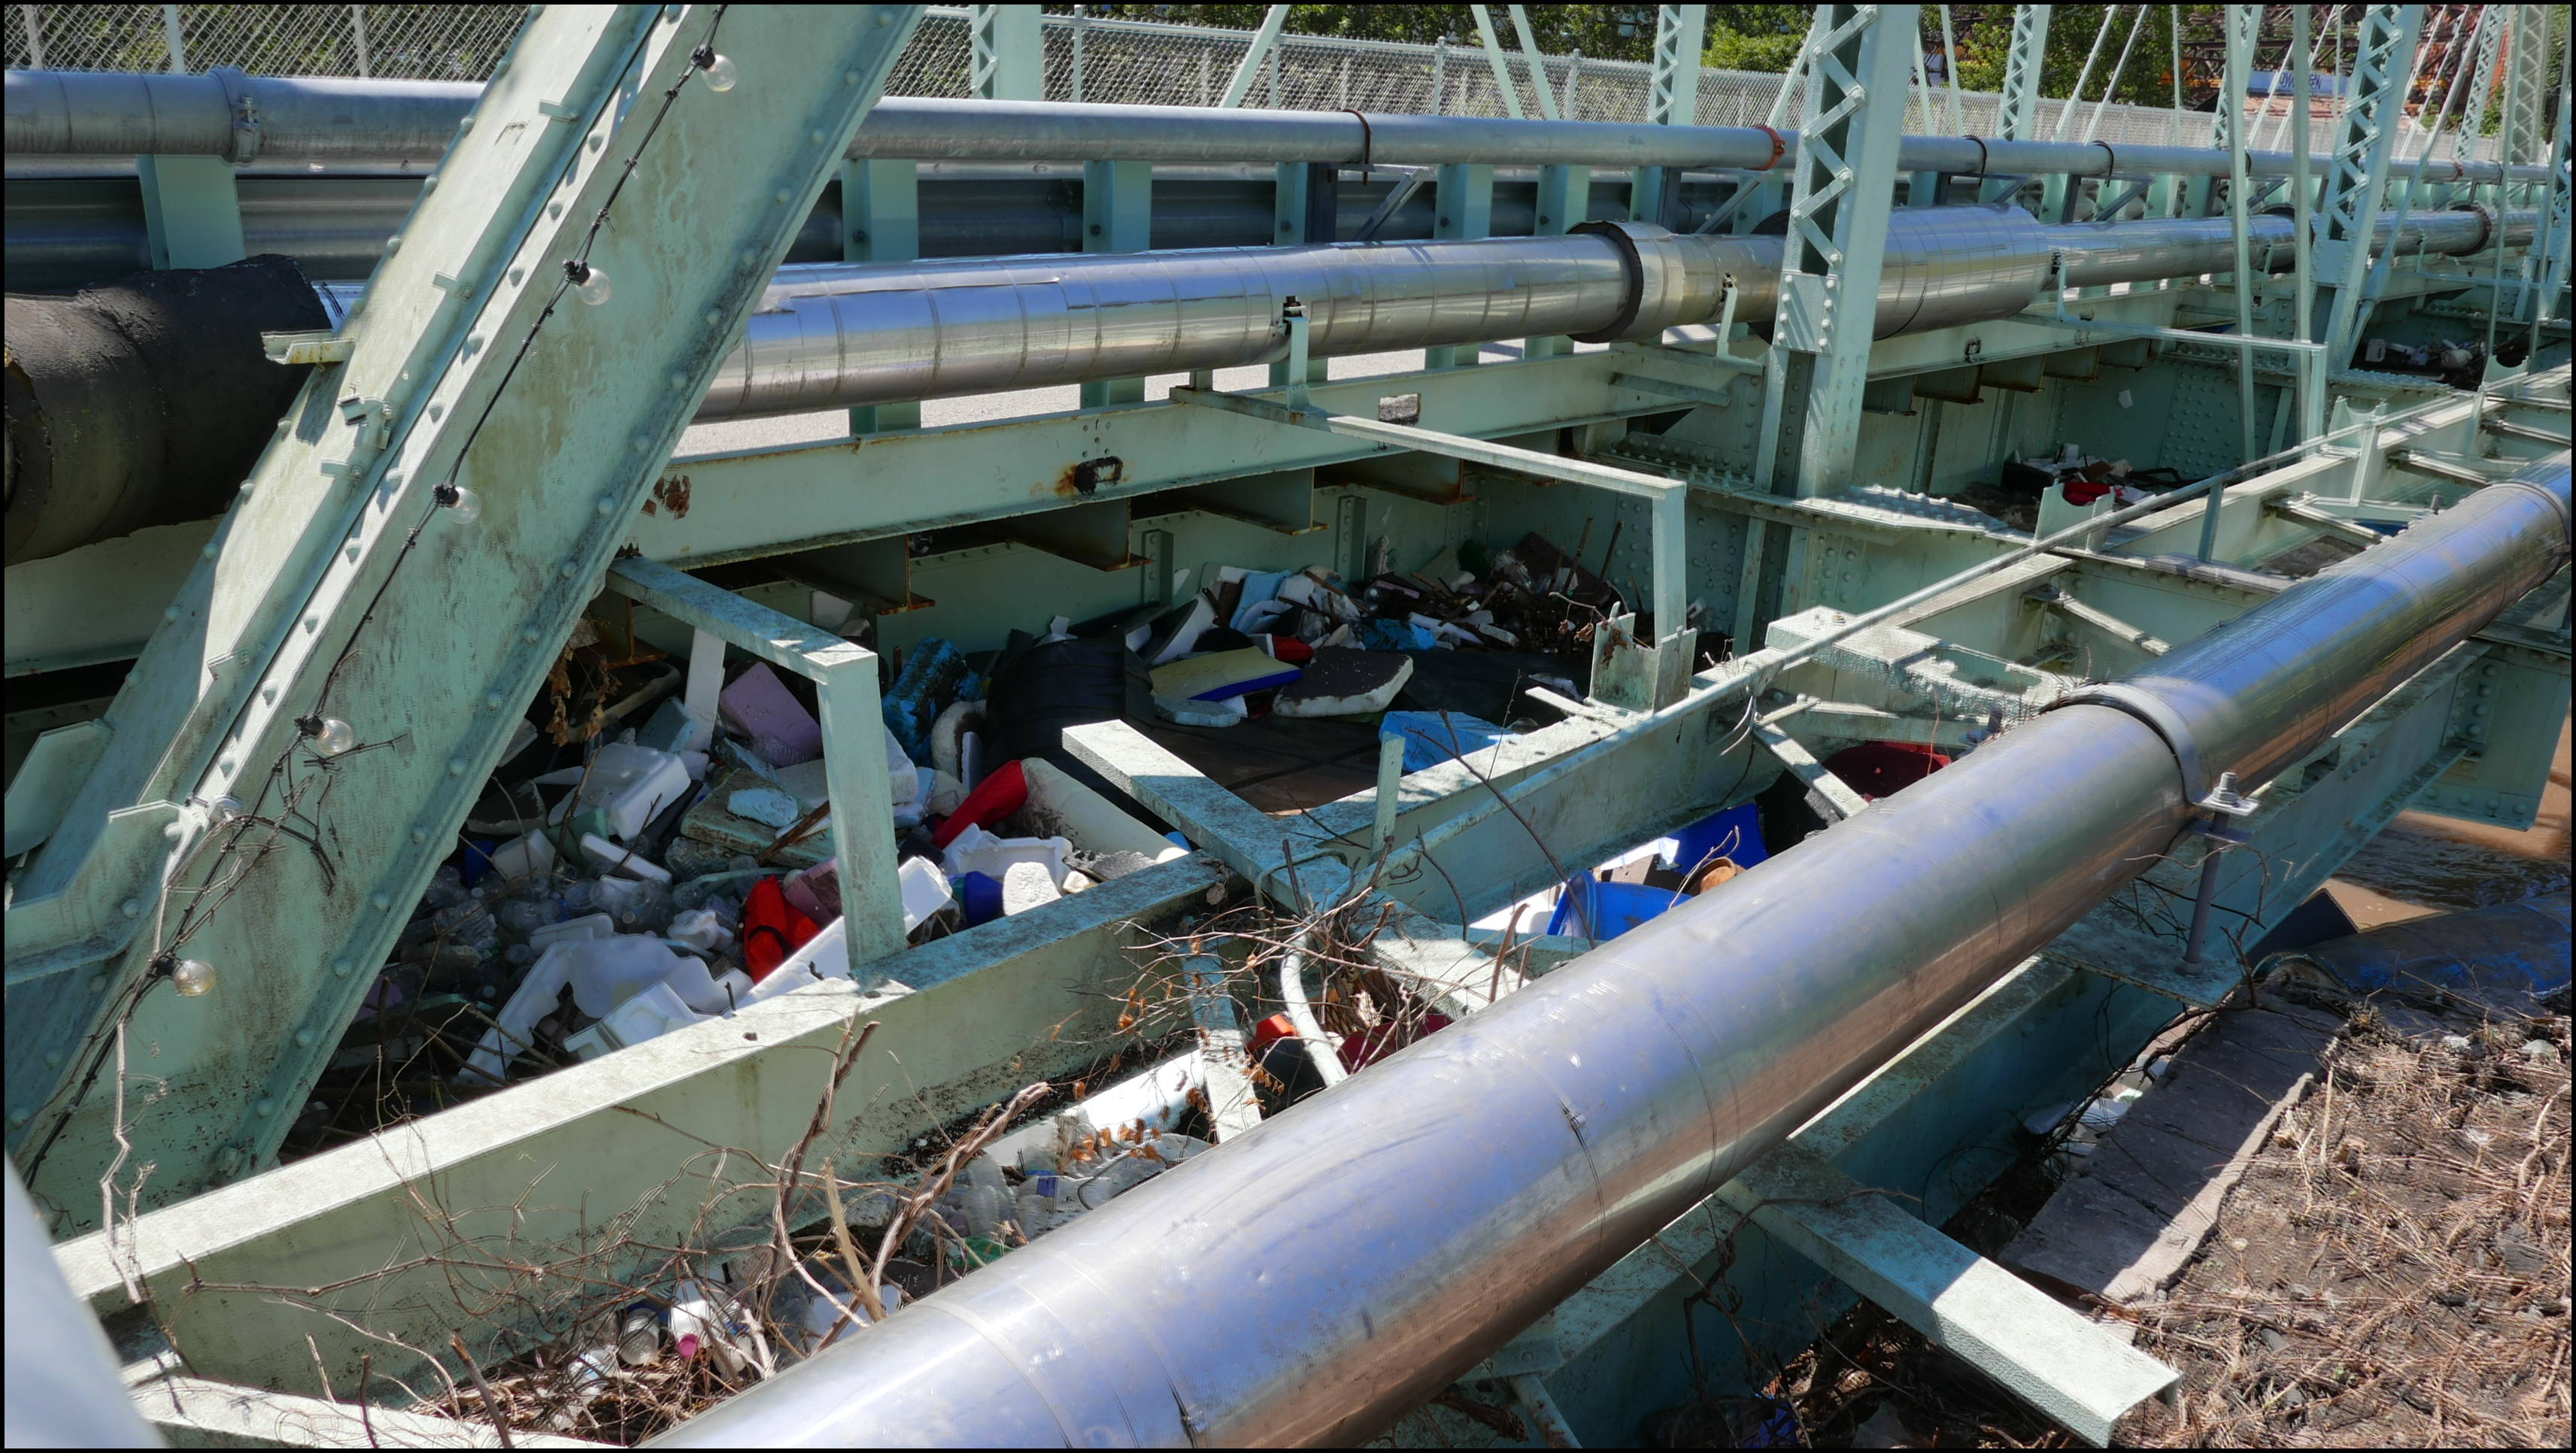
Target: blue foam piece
{"x":1428,"y":736}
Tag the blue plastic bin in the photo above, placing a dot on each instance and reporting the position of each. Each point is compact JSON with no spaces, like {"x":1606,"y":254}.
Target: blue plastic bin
{"x":1735,"y":834}
{"x":1590,"y":908}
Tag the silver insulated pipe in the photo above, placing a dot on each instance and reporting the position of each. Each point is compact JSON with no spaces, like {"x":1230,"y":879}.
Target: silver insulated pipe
{"x":834,"y":335}
{"x":1314,"y":1279}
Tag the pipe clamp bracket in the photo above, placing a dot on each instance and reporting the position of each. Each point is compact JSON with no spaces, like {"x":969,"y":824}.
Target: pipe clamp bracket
{"x":2163,"y":720}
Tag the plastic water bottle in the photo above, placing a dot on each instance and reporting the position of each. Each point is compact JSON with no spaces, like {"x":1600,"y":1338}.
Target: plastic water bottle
{"x":639,"y":1334}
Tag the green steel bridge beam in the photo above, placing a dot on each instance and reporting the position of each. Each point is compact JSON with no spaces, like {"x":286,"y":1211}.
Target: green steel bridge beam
{"x":336,"y":588}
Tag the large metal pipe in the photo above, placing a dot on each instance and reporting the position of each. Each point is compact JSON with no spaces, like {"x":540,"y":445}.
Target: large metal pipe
{"x":1311,"y":1281}
{"x":70,"y":112}
{"x":836,"y":335}
{"x":143,"y":402}
{"x":830,"y":336}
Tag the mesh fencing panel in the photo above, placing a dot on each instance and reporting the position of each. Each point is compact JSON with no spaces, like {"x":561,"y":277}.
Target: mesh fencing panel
{"x":402,"y":42}
{"x":1124,"y":62}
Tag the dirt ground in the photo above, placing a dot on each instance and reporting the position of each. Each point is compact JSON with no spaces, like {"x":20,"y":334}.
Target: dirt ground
{"x":2393,"y":1271}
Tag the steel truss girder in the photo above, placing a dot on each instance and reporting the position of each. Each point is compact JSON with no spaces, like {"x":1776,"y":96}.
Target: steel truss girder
{"x":2356,"y":174}
{"x":1837,"y":239}
{"x":313,"y":598}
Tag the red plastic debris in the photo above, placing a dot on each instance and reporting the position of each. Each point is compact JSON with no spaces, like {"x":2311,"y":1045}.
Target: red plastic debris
{"x":771,"y":930}
{"x":1003,"y":791}
{"x":2082,"y":491}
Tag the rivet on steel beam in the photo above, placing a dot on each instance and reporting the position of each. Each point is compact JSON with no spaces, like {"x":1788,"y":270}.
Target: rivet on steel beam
{"x":210,"y":551}
{"x":304,"y":1037}
{"x":529,"y":635}
{"x":98,"y":984}
{"x":382,"y":901}
{"x":492,"y":700}
{"x":420,"y":835}
{"x":456,"y":766}
{"x":263,"y":1106}
{"x":131,"y":908}
{"x":21,"y":1115}
{"x":785,"y":196}
{"x":339,"y":968}
{"x":312,"y":624}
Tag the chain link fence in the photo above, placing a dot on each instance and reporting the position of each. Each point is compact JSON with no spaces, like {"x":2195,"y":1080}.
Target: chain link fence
{"x":1087,"y":59}
{"x":403,"y":42}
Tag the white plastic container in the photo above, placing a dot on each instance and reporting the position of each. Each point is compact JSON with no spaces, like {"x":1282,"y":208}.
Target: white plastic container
{"x":702,"y":930}
{"x":925,"y":891}
{"x":611,"y":858}
{"x":978,"y":851}
{"x":522,"y":856}
{"x":634,"y":784}
{"x":572,"y":930}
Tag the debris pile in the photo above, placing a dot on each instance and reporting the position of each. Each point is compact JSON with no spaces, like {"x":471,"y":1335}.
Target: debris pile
{"x":705,"y":1325}
{"x":1307,"y":643}
{"x":637,"y":880}
{"x":668,"y":856}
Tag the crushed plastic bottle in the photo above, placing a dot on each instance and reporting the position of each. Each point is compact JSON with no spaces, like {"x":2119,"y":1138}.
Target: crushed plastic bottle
{"x":706,"y":1318}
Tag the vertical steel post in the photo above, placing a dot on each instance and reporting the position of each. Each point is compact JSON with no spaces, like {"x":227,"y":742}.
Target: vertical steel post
{"x":1950,"y":73}
{"x":1673,"y":96}
{"x":2241,"y":21}
{"x":1006,"y":58}
{"x":2018,"y":117}
{"x":1117,"y":216}
{"x":358,"y":35}
{"x":34,"y":16}
{"x":1462,"y":210}
{"x":1306,"y":212}
{"x":1844,"y":182}
{"x":191,"y":210}
{"x":2555,"y":244}
{"x":881,"y":222}
{"x":2303,"y":280}
{"x":2357,"y":174}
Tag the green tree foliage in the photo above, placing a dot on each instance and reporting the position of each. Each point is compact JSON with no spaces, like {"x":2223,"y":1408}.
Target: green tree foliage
{"x":1610,"y":32}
